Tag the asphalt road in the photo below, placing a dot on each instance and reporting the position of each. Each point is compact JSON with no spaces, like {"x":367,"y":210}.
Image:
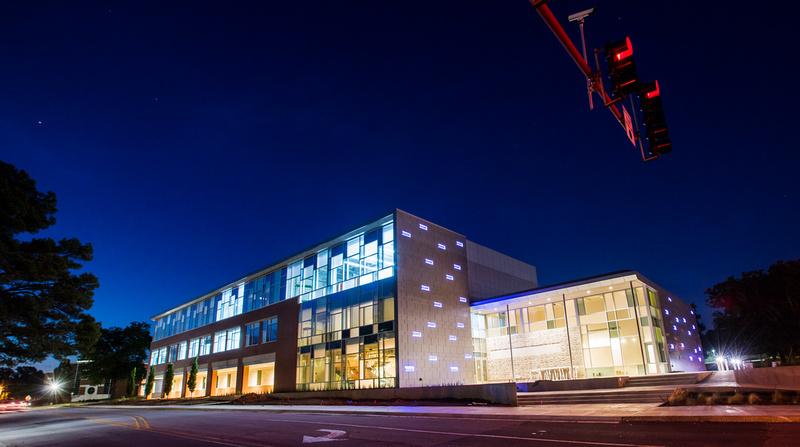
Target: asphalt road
{"x":156,"y":427}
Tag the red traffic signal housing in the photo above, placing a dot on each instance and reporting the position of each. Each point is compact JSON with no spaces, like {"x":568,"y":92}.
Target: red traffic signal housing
{"x":621,"y":68}
{"x":653,"y":118}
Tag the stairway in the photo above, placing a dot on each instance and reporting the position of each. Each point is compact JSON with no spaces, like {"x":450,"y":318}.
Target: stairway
{"x":616,"y":396}
{"x":641,"y":389}
{"x":674,"y":379}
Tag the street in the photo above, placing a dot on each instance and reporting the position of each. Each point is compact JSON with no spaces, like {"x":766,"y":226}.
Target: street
{"x":154,"y":427}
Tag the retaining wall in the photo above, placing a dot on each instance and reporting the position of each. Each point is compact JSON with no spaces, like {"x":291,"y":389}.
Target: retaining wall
{"x":780,"y":377}
{"x":496,"y":393}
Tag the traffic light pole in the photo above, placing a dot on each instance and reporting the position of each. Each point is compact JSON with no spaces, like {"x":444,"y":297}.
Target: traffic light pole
{"x":592,"y":78}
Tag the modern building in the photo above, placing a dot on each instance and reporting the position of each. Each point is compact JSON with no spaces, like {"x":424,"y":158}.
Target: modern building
{"x":403,"y":302}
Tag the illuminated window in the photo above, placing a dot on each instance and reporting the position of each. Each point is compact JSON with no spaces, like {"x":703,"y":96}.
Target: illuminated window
{"x":462,"y":299}
{"x":429,"y":261}
{"x":459,"y":243}
{"x":270,"y":329}
{"x":467,"y":356}
{"x":417,"y":334}
{"x":454,"y":369}
{"x":423,"y":227}
{"x":441,"y":246}
{"x":405,"y":233}
{"x":449,"y":277}
{"x":431,"y":324}
{"x":437,"y":304}
{"x":460,"y":325}
{"x":433,"y":358}
{"x":425,"y":288}
{"x":456,"y":266}
{"x":409,"y":368}
{"x":452,"y":337}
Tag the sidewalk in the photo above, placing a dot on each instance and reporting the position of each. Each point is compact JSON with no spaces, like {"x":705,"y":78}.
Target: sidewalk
{"x":565,"y":413}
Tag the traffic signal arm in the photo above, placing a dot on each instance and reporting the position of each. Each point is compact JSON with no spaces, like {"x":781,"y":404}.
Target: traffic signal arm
{"x":597,"y":86}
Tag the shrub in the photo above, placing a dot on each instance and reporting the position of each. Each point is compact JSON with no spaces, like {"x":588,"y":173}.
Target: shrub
{"x":736,"y":399}
{"x":678,"y":397}
{"x":753,"y":399}
{"x":713,"y":399}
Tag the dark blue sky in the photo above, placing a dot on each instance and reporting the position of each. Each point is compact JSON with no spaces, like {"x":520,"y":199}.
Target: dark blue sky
{"x":192,"y":143}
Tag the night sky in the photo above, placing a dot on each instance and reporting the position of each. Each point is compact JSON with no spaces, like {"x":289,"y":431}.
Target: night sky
{"x":193,"y":143}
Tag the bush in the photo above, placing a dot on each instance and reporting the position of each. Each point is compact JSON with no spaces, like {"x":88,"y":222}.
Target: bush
{"x":780,"y":398}
{"x":713,"y":399}
{"x":737,"y":399}
{"x":678,"y":397}
{"x":753,"y":399}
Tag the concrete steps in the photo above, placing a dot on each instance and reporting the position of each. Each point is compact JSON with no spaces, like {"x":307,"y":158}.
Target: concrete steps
{"x":663,"y":380}
{"x":619,"y":396}
{"x":641,"y":389}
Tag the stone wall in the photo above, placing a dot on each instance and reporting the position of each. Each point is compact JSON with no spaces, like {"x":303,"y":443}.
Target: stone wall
{"x":532,"y":351}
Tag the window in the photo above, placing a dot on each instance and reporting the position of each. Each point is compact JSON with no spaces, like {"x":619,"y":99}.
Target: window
{"x":181,"y":350}
{"x":270,"y":329}
{"x":459,"y":244}
{"x":437,"y":304}
{"x":230,"y":302}
{"x":205,"y":345}
{"x":194,"y":347}
{"x":233,"y":338}
{"x":219,"y":341}
{"x":252,"y":333}
{"x":452,"y":338}
{"x":227,"y":340}
{"x":416,"y":334}
{"x":423,"y":227}
{"x":162,"y":355}
{"x":456,"y":266}
{"x":431,"y":324}
{"x":441,"y":246}
{"x":448,"y":277}
{"x":405,"y":234}
{"x":425,"y":288}
{"x":462,"y":299}
{"x":154,"y":357}
{"x":429,"y":261}
{"x":460,"y":325}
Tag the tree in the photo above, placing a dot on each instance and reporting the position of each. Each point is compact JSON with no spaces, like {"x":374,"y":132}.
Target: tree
{"x":148,"y":386}
{"x":758,"y":313}
{"x":191,"y":382}
{"x":168,"y":376}
{"x":22,"y":381}
{"x":118,"y":351}
{"x":43,"y":303}
{"x":131,"y":391}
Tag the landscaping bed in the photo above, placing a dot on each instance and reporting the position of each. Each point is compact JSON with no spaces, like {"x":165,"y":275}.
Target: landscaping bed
{"x":683,"y":397}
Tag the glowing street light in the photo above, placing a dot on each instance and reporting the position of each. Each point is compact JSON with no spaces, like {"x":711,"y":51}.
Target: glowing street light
{"x":54,"y":386}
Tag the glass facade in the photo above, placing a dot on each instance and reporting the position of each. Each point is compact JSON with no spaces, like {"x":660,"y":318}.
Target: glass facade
{"x":614,"y":332}
{"x":342,"y":265}
{"x":347,"y":340}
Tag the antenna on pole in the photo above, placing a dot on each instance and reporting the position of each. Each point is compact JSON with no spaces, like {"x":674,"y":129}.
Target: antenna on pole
{"x":580,"y":17}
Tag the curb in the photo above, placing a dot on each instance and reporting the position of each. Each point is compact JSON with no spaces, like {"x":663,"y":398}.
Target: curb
{"x":531,"y":417}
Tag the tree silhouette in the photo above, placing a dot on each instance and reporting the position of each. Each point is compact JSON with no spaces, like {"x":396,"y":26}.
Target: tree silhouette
{"x":43,"y":303}
{"x":758,"y":313}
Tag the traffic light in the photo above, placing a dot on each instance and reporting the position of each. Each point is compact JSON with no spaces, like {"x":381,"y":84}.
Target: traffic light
{"x":653,"y":118}
{"x":621,"y":68}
